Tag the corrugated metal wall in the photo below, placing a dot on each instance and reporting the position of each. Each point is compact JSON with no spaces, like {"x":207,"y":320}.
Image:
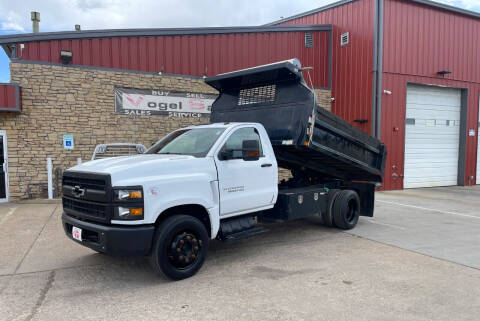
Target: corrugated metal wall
{"x":190,"y":55}
{"x":352,"y":64}
{"x":7,"y":96}
{"x":419,"y":41}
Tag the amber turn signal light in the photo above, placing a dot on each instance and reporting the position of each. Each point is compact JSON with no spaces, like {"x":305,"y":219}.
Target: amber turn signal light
{"x":135,"y":194}
{"x":136,"y":211}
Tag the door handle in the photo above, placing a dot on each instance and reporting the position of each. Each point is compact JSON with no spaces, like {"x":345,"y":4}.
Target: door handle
{"x":266,"y":165}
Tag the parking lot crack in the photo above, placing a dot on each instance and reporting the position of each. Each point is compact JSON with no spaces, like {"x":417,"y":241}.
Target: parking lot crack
{"x":42,"y":296}
{"x":26,"y":253}
{"x":36,"y":238}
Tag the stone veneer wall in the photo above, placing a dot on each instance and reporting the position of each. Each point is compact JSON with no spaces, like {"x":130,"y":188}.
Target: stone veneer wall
{"x":58,"y":100}
{"x":324,"y":98}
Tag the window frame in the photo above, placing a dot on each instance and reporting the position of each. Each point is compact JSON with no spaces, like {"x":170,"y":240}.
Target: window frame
{"x":224,"y":143}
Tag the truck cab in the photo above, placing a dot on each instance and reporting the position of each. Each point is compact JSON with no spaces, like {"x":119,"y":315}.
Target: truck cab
{"x":214,"y":171}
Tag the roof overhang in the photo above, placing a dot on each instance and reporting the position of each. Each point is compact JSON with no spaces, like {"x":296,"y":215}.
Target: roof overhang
{"x":109,"y":33}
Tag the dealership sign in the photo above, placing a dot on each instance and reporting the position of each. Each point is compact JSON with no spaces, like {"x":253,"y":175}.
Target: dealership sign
{"x":161,"y":102}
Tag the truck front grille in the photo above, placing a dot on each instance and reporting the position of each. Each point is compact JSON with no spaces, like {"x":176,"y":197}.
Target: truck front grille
{"x":84,"y":182}
{"x":82,"y":208}
{"x":87,"y":196}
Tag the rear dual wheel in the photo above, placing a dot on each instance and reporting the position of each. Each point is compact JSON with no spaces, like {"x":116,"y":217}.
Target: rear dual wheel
{"x":343,"y":210}
{"x":179,"y":247}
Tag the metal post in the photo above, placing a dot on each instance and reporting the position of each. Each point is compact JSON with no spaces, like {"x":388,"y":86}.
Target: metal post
{"x":49,"y":178}
{"x":79,"y":161}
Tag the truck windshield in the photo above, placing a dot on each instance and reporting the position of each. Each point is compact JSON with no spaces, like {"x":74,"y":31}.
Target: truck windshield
{"x":195,"y":142}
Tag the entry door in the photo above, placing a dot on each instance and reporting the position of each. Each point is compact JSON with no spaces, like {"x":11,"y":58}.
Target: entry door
{"x":244,"y":185}
{"x":432,"y":136}
{"x":3,"y":167}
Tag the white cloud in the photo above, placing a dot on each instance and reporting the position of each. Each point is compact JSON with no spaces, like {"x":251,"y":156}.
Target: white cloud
{"x":59,"y":15}
{"x":466,"y":4}
{"x":12,"y":22}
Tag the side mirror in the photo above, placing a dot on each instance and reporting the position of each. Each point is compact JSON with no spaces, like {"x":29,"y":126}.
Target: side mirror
{"x":250,"y":150}
{"x":226,"y":154}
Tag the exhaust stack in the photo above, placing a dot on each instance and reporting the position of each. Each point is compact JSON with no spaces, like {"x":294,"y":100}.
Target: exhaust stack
{"x":35,"y":16}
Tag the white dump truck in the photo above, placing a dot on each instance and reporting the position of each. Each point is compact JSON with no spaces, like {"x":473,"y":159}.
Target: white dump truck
{"x":220,"y":180}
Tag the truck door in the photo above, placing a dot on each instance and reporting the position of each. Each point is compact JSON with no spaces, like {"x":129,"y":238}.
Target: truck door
{"x":244,"y":185}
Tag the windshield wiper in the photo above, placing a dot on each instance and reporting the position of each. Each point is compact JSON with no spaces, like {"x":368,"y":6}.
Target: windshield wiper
{"x":170,"y":153}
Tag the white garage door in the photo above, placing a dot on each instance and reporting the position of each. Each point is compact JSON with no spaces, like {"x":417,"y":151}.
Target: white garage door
{"x":432,"y":136}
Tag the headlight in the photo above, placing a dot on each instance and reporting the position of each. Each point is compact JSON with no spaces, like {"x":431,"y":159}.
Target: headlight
{"x":128,"y":213}
{"x":128,"y":194}
{"x":128,"y":203}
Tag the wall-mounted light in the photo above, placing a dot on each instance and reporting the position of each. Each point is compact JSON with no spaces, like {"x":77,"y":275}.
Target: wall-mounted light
{"x":443,"y":72}
{"x":66,"y":56}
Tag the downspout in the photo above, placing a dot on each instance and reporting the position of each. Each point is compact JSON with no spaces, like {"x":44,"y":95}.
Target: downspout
{"x":373,"y":123}
{"x":379,"y":70}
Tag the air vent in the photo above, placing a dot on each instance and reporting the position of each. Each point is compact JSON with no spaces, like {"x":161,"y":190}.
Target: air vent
{"x":308,"y":40}
{"x":257,"y":95}
{"x":345,"y":39}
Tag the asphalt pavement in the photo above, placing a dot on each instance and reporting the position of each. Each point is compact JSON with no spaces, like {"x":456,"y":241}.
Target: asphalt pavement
{"x":417,"y":259}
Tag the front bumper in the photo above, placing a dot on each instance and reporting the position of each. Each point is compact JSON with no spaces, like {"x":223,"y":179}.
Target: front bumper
{"x":114,"y":240}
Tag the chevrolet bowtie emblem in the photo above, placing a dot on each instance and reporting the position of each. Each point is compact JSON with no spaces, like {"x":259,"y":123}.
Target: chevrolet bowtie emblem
{"x":77,"y":191}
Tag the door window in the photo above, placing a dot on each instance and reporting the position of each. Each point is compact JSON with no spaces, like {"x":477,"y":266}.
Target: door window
{"x":234,"y":142}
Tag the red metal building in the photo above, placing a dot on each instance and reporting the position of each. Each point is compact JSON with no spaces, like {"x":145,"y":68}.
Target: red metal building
{"x":395,"y":46}
{"x":196,"y":52}
{"x":406,"y":71}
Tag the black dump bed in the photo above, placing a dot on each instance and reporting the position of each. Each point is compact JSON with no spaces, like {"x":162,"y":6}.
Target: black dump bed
{"x":304,"y":136}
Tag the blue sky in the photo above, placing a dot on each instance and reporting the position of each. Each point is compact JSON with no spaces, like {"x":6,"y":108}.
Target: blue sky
{"x":4,"y":71}
{"x":59,"y":15}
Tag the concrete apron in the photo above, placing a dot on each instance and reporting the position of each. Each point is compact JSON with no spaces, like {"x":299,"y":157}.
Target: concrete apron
{"x":297,"y":271}
{"x":440,"y":222}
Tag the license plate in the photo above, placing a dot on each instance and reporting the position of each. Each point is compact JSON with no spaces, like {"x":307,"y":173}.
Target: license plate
{"x":77,"y":233}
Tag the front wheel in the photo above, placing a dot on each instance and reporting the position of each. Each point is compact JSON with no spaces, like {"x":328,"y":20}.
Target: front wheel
{"x":346,"y":209}
{"x":179,"y":247}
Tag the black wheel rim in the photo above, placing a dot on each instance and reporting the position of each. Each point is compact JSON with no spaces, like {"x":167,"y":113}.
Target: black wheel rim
{"x":184,"y":250}
{"x":352,"y":211}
